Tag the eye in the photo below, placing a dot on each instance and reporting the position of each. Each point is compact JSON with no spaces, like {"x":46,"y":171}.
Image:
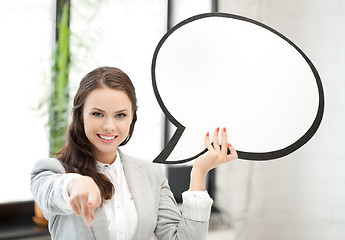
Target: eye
{"x":97,"y":114}
{"x":120,"y":115}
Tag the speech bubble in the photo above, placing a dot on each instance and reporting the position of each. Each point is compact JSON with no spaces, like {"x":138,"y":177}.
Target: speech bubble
{"x":222,"y":70}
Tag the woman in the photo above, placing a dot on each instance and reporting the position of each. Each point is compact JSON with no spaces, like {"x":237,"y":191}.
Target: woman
{"x":95,"y":191}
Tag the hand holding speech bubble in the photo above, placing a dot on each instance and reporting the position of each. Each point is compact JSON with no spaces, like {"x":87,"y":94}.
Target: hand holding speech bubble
{"x":221,"y":70}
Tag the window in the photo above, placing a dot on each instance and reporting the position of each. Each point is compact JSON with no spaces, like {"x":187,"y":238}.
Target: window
{"x":24,"y":59}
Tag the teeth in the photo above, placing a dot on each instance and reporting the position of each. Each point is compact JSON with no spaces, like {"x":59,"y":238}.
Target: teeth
{"x":106,"y":138}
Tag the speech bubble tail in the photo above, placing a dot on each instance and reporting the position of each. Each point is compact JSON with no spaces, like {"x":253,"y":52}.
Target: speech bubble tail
{"x":163,"y":161}
{"x":161,"y":158}
{"x":168,"y":149}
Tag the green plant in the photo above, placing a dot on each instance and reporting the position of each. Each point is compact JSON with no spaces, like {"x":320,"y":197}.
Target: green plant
{"x":59,"y":98}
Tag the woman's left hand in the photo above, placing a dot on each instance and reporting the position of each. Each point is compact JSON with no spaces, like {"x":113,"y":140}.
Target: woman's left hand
{"x":216,"y":154}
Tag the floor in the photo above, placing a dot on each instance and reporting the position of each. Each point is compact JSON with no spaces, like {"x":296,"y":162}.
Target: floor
{"x":212,"y":235}
{"x":221,"y":235}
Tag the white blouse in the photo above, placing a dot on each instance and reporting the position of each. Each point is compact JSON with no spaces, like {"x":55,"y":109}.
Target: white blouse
{"x":120,"y":209}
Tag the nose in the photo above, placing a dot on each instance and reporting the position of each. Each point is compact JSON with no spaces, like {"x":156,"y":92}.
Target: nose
{"x":109,"y":125}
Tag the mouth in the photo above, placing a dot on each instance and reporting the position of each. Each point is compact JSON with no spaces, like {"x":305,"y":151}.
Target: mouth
{"x":106,"y":138}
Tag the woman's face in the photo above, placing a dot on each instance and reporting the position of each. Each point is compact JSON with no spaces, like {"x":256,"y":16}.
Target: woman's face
{"x":107,"y":116}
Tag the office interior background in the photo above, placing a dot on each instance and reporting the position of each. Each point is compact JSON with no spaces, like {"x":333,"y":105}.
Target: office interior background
{"x":300,"y":196}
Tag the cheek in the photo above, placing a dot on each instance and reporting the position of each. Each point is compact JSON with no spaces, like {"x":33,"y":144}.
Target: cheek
{"x":125,"y":126}
{"x":89,"y":126}
{"x":87,"y":131}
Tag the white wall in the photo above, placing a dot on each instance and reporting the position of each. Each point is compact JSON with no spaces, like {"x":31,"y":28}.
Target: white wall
{"x":301,"y":196}
{"x":24,"y":60}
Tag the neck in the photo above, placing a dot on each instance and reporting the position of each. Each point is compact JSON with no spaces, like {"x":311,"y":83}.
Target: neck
{"x":106,"y":158}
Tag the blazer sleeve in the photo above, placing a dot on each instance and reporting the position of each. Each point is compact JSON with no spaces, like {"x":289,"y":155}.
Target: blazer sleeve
{"x":171,"y":224}
{"x":49,"y":187}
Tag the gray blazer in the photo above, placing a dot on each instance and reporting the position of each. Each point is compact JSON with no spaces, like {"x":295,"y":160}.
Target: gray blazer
{"x":158,"y":215}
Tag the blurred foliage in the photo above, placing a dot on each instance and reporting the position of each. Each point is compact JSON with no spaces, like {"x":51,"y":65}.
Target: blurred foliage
{"x":59,"y":98}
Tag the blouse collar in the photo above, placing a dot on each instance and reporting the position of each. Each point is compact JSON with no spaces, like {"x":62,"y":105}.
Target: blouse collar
{"x":115,"y":165}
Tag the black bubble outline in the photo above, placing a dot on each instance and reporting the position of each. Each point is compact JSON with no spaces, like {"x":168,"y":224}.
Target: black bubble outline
{"x":255,"y":156}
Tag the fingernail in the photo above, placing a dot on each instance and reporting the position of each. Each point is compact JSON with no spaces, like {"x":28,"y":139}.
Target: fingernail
{"x":89,"y":203}
{"x":207,"y":134}
{"x":224,"y":129}
{"x":229,"y":145}
{"x":217,"y":129}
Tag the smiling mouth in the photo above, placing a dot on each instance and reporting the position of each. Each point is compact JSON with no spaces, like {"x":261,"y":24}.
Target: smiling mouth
{"x":106,"y":138}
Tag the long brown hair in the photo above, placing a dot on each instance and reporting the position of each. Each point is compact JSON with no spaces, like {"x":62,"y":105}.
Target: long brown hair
{"x":77,"y":155}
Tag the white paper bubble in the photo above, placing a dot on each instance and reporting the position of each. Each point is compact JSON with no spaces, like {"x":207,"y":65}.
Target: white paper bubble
{"x":221,"y":70}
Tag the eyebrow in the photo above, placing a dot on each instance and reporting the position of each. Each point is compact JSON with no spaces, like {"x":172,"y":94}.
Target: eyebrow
{"x":100,"y":110}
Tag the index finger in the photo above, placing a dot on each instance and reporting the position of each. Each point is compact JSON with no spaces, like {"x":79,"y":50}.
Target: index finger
{"x":215,"y":140}
{"x":93,"y":201}
{"x":208,"y":141}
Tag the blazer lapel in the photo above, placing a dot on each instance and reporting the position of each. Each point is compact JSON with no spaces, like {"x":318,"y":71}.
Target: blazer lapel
{"x":140,"y":188}
{"x":100,"y":227}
